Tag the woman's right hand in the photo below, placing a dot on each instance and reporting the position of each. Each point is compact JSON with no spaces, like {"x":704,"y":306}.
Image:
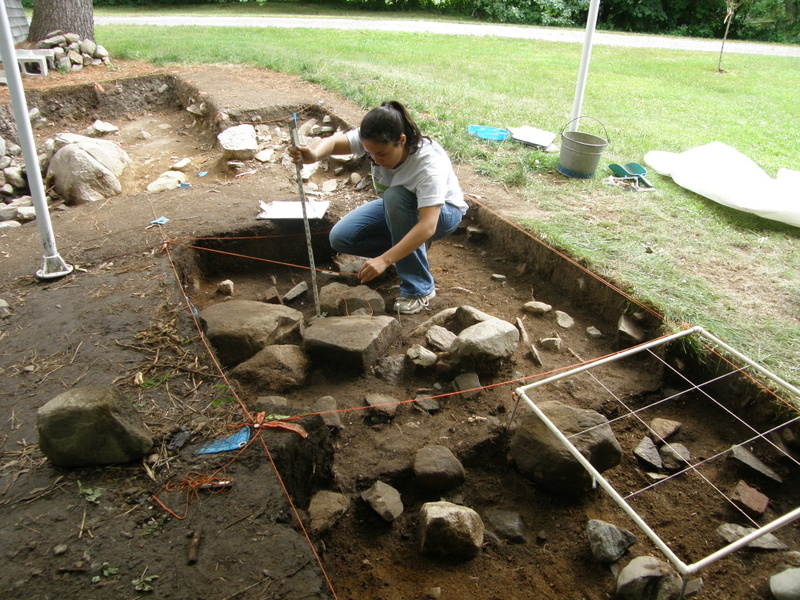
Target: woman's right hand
{"x":302,"y":155}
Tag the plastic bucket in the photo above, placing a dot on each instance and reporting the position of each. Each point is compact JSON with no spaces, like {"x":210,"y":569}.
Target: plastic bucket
{"x":580,"y":152}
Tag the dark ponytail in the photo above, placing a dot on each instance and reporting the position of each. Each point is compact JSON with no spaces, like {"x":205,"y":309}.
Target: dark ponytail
{"x":385,"y":125}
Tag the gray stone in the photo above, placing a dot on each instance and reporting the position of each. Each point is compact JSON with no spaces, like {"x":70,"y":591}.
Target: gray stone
{"x":326,"y":509}
{"x":181,"y":165}
{"x":383,"y":408}
{"x":441,"y":318}
{"x":429,"y":405}
{"x":84,"y":169}
{"x":647,"y":452}
{"x":563,"y":320}
{"x":674,"y":456}
{"x":105,"y":152}
{"x":87,"y":46}
{"x":7,"y":212}
{"x":276,"y":368}
{"x":26,"y":213}
{"x":99,"y":129}
{"x":608,"y":542}
{"x":5,"y":309}
{"x":593,"y":332}
{"x":440,"y":338}
{"x":553,"y":344}
{"x":730,"y":532}
{"x":628,"y":332}
{"x":437,"y":469}
{"x":540,"y":456}
{"x":421,"y":356}
{"x":328,"y":410}
{"x":168,"y":180}
{"x":465,"y":316}
{"x":785,"y":585}
{"x":338,"y":299}
{"x":394,"y":369}
{"x":239,"y":328}
{"x":330,"y":185}
{"x":664,"y":428}
{"x":91,"y":425}
{"x":9,"y":224}
{"x":16,"y":177}
{"x":238,"y":142}
{"x":384,"y":500}
{"x":468,"y":384}
{"x":537,"y":308}
{"x":297,"y":291}
{"x":487,"y":341}
{"x":647,"y":578}
{"x":450,"y":531}
{"x":226,"y":287}
{"x":508,"y":525}
{"x":355,"y":341}
{"x":747,"y":458}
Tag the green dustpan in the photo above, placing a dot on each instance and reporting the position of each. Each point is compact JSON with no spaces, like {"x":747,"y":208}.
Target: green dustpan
{"x":631,"y":170}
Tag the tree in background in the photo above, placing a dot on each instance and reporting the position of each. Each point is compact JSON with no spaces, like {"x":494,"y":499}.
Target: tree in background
{"x":732,"y":6}
{"x":70,"y":16}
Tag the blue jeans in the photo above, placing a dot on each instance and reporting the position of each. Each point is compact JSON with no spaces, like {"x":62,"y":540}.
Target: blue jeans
{"x":374,"y":227}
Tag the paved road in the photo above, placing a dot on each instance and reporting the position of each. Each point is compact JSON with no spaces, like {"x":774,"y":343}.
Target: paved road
{"x":507,"y":31}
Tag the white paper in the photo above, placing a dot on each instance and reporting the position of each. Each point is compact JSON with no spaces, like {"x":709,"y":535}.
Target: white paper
{"x":293,"y":209}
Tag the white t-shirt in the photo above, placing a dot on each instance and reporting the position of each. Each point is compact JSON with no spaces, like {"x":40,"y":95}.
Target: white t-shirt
{"x":428,"y":173}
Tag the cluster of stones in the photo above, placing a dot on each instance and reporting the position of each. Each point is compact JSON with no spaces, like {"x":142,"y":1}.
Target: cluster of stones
{"x":71,"y":53}
{"x":90,"y":169}
{"x":76,"y":168}
{"x":16,"y":206}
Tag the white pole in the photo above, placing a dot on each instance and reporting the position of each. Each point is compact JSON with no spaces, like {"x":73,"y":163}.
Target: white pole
{"x":54,"y":266}
{"x":591,"y":23}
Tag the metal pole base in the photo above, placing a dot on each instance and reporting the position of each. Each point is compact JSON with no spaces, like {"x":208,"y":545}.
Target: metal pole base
{"x":53,"y":268}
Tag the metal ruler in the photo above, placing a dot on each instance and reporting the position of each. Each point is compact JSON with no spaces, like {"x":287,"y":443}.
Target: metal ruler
{"x":296,"y":143}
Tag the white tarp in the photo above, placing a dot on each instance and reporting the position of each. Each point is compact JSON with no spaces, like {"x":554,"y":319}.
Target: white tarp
{"x":725,"y":175}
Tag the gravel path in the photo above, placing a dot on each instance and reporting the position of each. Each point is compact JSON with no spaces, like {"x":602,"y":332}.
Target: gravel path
{"x":507,"y":31}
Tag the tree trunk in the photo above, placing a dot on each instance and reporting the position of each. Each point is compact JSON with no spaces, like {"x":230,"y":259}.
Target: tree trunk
{"x":68,"y":16}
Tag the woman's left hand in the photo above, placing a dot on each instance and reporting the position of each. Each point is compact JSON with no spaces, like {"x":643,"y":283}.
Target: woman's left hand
{"x":372,"y":268}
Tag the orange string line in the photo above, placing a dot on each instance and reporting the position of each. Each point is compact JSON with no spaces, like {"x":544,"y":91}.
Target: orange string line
{"x":192,"y":485}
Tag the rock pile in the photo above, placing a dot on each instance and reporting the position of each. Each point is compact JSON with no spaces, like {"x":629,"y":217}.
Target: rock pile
{"x":71,"y":53}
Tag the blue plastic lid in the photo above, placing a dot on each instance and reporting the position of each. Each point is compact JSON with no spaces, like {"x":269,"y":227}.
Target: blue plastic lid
{"x":489,"y":133}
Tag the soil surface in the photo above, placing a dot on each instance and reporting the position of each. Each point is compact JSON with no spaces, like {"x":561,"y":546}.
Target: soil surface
{"x":122,"y":318}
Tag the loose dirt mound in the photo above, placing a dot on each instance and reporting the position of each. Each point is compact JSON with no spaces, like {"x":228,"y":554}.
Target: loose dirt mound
{"x":122,"y":318}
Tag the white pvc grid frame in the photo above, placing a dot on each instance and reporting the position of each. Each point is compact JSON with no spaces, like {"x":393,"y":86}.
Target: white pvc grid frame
{"x":684,"y":569}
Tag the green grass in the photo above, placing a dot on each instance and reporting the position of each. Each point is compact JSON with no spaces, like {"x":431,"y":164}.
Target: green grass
{"x":693,"y":260}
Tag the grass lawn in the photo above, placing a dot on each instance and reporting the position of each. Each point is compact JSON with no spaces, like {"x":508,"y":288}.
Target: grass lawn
{"x":692,"y":260}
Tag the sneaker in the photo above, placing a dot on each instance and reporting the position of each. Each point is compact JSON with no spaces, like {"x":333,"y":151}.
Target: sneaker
{"x":411,"y":306}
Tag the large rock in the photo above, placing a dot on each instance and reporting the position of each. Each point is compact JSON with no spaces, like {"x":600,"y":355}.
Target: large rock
{"x":91,"y":425}
{"x":84,"y":169}
{"x":785,"y":585}
{"x":326,"y":509}
{"x":239,"y":142}
{"x":384,"y":500}
{"x":647,"y":578}
{"x":450,"y":531}
{"x":354,"y":342}
{"x":608,"y":542}
{"x":276,"y":368}
{"x":487,"y":341}
{"x":238,"y":329}
{"x":541,"y":456}
{"x":437,"y":469}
